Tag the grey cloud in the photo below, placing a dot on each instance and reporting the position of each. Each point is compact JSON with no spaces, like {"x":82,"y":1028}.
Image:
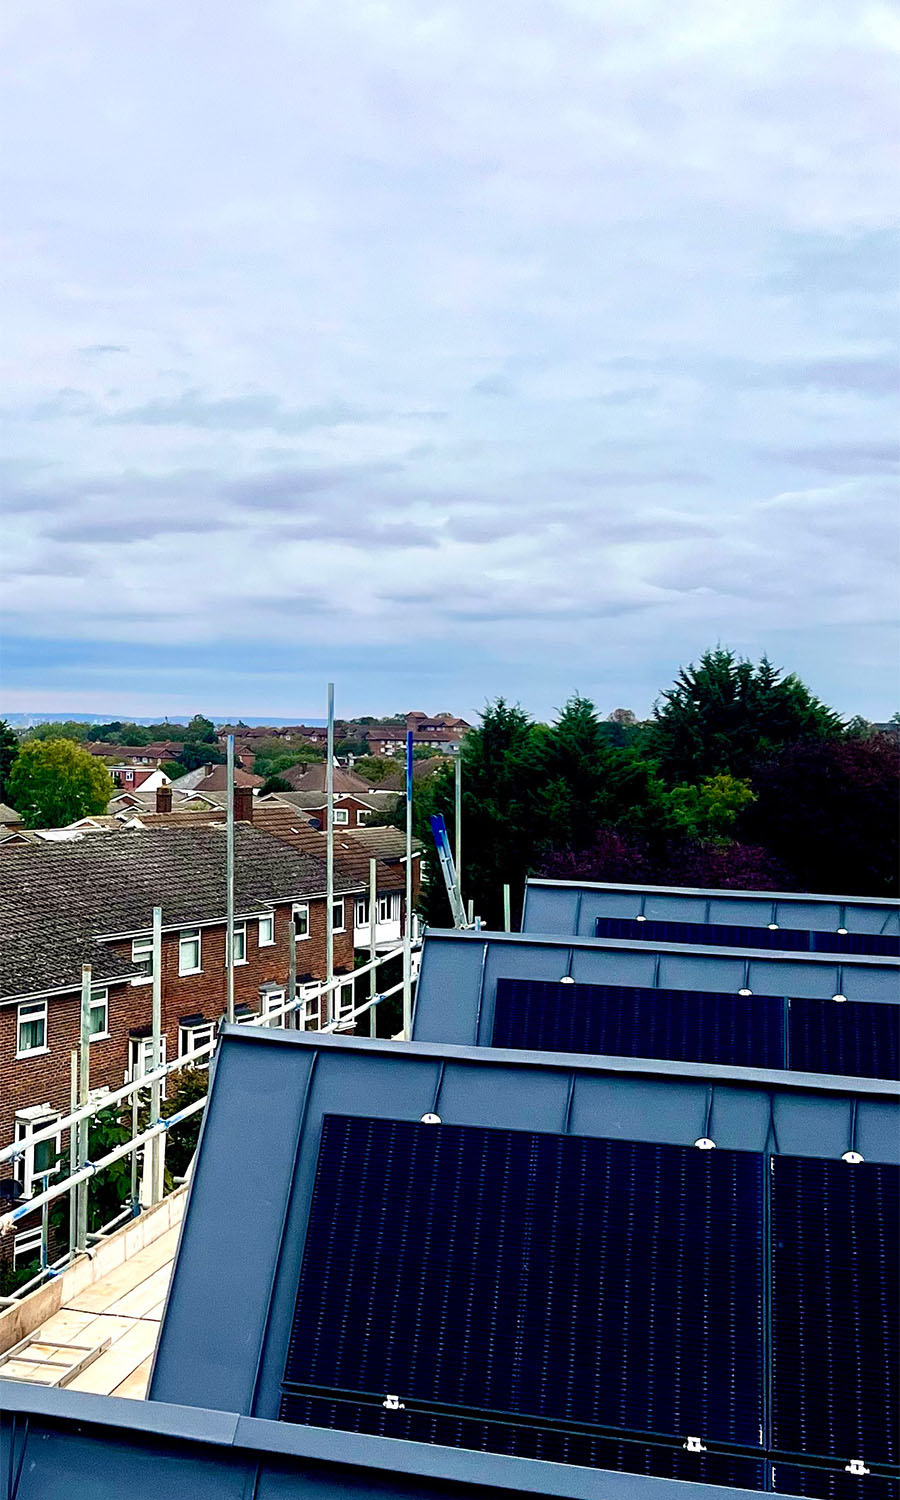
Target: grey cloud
{"x":494,"y":385}
{"x":634,"y":478}
{"x":840,"y":458}
{"x":628,"y":395}
{"x":863,"y":377}
{"x":117,"y":529}
{"x":65,"y":403}
{"x":237,"y":414}
{"x":91,"y":351}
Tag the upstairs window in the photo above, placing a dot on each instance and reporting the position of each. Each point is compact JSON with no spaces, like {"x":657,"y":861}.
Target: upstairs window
{"x":337,"y":916}
{"x":142,"y":953}
{"x":189,"y":951}
{"x":239,"y":948}
{"x":341,"y":815}
{"x":266,"y":934}
{"x":301,"y":920}
{"x":31,"y":1031}
{"x":98,"y":1015}
{"x":42,"y":1158}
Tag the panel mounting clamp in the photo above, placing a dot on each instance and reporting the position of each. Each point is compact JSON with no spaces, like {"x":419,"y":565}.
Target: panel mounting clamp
{"x":694,"y":1445}
{"x":856,"y":1466}
{"x":393,"y":1403}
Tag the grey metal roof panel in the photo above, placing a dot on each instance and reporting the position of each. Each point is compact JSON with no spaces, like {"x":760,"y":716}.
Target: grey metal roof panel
{"x":251,"y":1188}
{"x":564,"y":907}
{"x":457,"y":984}
{"x":87,"y":1447}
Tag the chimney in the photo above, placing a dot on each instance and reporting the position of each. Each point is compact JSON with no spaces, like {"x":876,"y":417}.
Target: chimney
{"x":163,"y":799}
{"x":243,"y":804}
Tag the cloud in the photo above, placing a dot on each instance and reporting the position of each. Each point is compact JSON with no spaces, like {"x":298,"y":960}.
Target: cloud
{"x":841,"y":458}
{"x":236,"y":413}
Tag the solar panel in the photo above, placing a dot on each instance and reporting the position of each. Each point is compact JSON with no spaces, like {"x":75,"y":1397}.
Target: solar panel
{"x":853,"y":1038}
{"x":544,"y":1278}
{"x":835,"y":1299}
{"x":728,"y":935}
{"x":824,"y":1484}
{"x":588,"y":1450}
{"x":623,"y":1021}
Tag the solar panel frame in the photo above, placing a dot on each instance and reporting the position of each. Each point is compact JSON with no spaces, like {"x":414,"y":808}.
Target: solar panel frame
{"x":741,"y":935}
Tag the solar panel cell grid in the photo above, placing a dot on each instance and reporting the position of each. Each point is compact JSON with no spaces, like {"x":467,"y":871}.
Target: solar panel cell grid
{"x":822,"y":1484}
{"x":529,"y":1442}
{"x":835,"y":1308}
{"x":625,"y":1021}
{"x":851,"y":1039}
{"x":728,"y":935}
{"x":594,"y":1281}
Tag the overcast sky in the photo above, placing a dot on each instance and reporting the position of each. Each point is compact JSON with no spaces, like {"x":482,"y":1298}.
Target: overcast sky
{"x":445,"y":349}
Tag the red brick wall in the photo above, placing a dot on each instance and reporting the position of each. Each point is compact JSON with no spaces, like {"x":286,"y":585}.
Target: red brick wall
{"x":45,"y":1078}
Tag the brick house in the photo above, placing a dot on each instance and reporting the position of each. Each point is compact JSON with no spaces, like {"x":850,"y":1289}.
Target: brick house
{"x":91,"y":900}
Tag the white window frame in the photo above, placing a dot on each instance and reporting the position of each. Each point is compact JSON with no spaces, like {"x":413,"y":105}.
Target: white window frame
{"x":344,"y":999}
{"x":190,"y":935}
{"x":337,"y":926}
{"x":361,"y":911}
{"x":297,"y":908}
{"x":142,"y":953}
{"x":312,"y":1003}
{"x":341,"y":816}
{"x":140,"y":1059}
{"x":269,"y":920}
{"x":387,"y":910}
{"x":28,"y":1123}
{"x":27,"y":1246}
{"x":28,"y":1013}
{"x":273,"y":1000}
{"x":239,"y":940}
{"x":100,"y":997}
{"x":190,"y":1038}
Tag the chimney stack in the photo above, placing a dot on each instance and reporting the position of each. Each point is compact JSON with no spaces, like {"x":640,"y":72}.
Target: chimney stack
{"x":243,"y":804}
{"x":163,"y":799}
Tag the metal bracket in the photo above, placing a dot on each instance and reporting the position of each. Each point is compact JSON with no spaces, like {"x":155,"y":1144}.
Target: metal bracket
{"x":430,"y":1119}
{"x":694,"y":1445}
{"x":393,"y":1403}
{"x":856,"y":1467}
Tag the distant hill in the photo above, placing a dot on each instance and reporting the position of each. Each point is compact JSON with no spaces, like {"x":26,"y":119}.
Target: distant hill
{"x":26,"y":721}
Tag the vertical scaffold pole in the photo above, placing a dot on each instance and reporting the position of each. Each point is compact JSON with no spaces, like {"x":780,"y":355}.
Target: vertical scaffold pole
{"x":229,"y":881}
{"x":84,"y":1091}
{"x":373,"y":914}
{"x":155,"y":1088}
{"x":331,"y":1004}
{"x":457,"y":831}
{"x":407,"y":926}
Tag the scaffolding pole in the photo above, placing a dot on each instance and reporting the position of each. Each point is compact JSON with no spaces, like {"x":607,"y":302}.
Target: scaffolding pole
{"x":507,"y":910}
{"x":373,"y":913}
{"x":229,"y":880}
{"x":457,"y":830}
{"x":329,"y":855}
{"x":73,"y":1144}
{"x":84,"y":1089}
{"x":407,"y":925}
{"x":156,"y":1087}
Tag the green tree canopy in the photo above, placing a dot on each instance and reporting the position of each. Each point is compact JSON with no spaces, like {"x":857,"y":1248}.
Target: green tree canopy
{"x":722,"y":714}
{"x":58,"y":729}
{"x":9,"y":749}
{"x":710,"y":810}
{"x":201,"y":729}
{"x":53,"y":782}
{"x":375,"y":768}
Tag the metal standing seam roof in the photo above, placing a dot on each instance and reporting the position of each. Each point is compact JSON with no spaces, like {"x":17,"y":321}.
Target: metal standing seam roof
{"x":457,"y":987}
{"x":255,"y":1171}
{"x":567,"y":907}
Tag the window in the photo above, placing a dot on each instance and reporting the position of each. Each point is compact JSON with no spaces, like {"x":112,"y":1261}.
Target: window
{"x":311,"y":1007}
{"x":36,"y":1160}
{"x":129,"y":776}
{"x":301,"y":920}
{"x":388,"y":907}
{"x":341,"y":815}
{"x":239,"y":944}
{"x":142,"y":953}
{"x":141,"y":1058}
{"x":344,"y":1001}
{"x":192,"y":1038}
{"x":26,"y":1247}
{"x":98,"y":1015}
{"x":362,"y":913}
{"x":31,"y":1034}
{"x":337,"y":916}
{"x":266,"y":936}
{"x":272,"y":999}
{"x":189,"y":951}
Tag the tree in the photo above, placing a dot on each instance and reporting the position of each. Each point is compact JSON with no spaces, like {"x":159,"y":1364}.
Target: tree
{"x":711,"y":810}
{"x":68,"y":729}
{"x":828,"y":811}
{"x":201,"y":729}
{"x":9,"y":749}
{"x":53,"y":782}
{"x":723,"y":714}
{"x":376,"y":768}
{"x":199,"y":753}
{"x":275,"y":784}
{"x":274,"y":755}
{"x":632,"y":859}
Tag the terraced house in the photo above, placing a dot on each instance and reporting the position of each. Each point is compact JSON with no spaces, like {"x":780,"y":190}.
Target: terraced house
{"x":90,"y":901}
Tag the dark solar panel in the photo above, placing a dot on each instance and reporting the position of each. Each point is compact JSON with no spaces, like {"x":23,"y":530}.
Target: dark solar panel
{"x":822,"y":1484}
{"x":604,"y":1282}
{"x":728,"y":935}
{"x":687,"y":1026}
{"x":835,"y":1299}
{"x":529,"y":1442}
{"x":851,"y":1038}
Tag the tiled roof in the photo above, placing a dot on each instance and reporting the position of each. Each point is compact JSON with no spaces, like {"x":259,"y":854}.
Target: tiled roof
{"x":55,"y":899}
{"x":384,"y":843}
{"x":311,"y":778}
{"x":422,"y":769}
{"x":9,"y":814}
{"x":350,"y":858}
{"x":216,"y":780}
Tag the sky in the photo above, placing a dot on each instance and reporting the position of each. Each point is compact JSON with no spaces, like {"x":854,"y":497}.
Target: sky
{"x":445,"y":349}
